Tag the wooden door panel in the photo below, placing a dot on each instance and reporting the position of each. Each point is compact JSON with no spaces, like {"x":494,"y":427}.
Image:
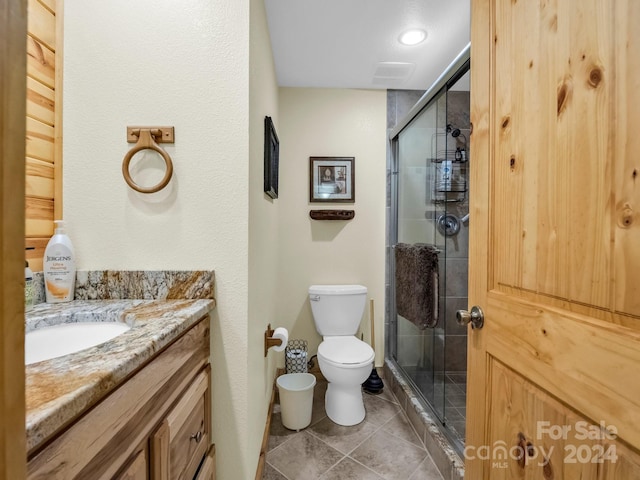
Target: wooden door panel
{"x":555,"y":240}
{"x":588,"y":364}
{"x":627,"y":465}
{"x":545,"y":439}
{"x":552,"y":124}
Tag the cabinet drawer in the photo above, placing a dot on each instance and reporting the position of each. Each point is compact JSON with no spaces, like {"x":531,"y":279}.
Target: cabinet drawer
{"x":182,"y":440}
{"x":208,"y":469}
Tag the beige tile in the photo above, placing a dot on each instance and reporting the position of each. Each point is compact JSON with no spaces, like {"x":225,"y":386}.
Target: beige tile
{"x":388,"y":456}
{"x":379,"y":411}
{"x":400,"y":427}
{"x":305,"y":458}
{"x":271,"y":473}
{"x":348,"y":469}
{"x":278,"y":434}
{"x":457,"y":400}
{"x":342,"y":438}
{"x":426,"y":471}
{"x":318,"y":412}
{"x":386,"y":394}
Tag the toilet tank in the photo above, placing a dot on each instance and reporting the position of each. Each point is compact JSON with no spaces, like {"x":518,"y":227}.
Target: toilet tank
{"x":337,"y":309}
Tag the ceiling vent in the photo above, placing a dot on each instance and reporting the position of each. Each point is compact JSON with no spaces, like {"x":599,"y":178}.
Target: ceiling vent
{"x":392,"y":73}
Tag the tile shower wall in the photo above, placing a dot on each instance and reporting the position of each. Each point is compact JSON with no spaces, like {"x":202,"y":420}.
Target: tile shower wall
{"x":455,"y":294}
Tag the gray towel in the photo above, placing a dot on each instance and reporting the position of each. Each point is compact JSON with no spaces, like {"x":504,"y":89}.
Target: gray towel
{"x":417,"y":283}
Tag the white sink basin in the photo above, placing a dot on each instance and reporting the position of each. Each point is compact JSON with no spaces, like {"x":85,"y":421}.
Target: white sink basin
{"x":58,"y":340}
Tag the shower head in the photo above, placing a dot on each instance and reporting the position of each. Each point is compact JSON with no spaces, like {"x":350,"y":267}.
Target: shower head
{"x":455,"y":132}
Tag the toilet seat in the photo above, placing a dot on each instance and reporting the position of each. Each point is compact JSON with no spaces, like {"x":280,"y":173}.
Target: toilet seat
{"x":345,"y":352}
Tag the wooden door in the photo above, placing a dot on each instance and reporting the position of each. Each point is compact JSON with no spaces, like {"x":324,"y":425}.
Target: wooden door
{"x":554,"y":375}
{"x":13,"y":29}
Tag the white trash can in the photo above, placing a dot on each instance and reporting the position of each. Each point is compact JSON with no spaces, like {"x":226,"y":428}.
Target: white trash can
{"x":296,"y":399}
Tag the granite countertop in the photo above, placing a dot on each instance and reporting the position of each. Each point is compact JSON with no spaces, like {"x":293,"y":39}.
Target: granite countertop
{"x":60,"y":389}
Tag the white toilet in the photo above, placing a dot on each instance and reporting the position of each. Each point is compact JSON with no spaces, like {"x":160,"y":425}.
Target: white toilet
{"x":345,"y":361}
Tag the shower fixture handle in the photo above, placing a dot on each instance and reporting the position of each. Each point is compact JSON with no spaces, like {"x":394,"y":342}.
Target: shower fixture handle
{"x":475,"y":317}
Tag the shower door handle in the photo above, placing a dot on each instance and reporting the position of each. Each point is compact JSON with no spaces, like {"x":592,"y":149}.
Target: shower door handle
{"x":475,"y":317}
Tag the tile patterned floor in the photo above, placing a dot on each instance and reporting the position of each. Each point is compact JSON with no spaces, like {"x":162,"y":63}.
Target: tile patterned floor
{"x":455,"y":408}
{"x":383,"y":446}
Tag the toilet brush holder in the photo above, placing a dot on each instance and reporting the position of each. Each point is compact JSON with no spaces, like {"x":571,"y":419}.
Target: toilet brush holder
{"x":373,"y":384}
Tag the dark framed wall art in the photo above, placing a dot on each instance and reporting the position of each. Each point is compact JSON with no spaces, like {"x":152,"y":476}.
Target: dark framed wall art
{"x":271,"y":158}
{"x":332,"y":179}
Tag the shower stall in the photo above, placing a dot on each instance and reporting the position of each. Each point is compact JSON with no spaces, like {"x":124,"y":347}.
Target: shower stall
{"x":429,"y":205}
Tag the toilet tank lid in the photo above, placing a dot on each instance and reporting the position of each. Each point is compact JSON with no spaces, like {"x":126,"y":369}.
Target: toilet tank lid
{"x":337,"y":289}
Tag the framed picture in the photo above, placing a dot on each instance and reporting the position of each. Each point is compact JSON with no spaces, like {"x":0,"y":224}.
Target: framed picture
{"x":271,"y":158}
{"x":332,"y":179}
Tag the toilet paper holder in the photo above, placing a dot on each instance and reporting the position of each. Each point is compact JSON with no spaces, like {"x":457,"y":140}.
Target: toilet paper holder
{"x":269,"y":341}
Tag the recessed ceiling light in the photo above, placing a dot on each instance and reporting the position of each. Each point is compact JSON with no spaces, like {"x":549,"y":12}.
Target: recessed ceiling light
{"x":412,"y":37}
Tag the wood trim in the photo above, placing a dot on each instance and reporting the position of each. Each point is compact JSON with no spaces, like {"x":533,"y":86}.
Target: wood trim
{"x":267,"y":428}
{"x":42,"y":24}
{"x":57,"y":153}
{"x":160,"y":452}
{"x":35,"y":256}
{"x":479,"y":234}
{"x":332,"y":214}
{"x":13,"y":71}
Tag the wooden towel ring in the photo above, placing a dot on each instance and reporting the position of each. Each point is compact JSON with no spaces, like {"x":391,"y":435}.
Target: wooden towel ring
{"x":146,"y":141}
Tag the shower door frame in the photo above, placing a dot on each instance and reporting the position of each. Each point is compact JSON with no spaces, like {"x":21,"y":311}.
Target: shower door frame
{"x":457,"y":68}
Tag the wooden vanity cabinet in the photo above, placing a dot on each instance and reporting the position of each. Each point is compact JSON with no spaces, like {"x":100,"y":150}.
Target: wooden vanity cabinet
{"x":136,"y":469}
{"x":155,"y":426}
{"x":182,"y":440}
{"x":208,"y":468}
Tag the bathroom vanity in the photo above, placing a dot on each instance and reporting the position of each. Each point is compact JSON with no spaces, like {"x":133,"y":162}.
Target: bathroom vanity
{"x":135,"y":407}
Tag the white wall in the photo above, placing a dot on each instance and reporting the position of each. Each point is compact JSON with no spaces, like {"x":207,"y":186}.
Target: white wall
{"x":165,"y":63}
{"x":263,"y":230}
{"x":206,"y":68}
{"x":331,"y":122}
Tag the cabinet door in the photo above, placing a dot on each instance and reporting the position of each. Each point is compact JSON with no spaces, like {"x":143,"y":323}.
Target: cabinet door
{"x":137,"y":468}
{"x":182,"y":440}
{"x":208,"y":469}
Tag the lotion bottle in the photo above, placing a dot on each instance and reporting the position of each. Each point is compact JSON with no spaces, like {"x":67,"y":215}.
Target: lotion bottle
{"x":59,"y":267}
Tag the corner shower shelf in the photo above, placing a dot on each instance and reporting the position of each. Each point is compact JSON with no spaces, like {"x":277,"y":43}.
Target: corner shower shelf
{"x":332,"y":214}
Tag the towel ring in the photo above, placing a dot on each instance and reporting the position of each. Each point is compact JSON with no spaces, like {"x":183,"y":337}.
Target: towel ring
{"x":146,"y":141}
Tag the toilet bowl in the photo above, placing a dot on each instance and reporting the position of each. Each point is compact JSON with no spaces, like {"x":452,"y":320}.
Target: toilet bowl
{"x":344,"y":360}
{"x":346,"y":363}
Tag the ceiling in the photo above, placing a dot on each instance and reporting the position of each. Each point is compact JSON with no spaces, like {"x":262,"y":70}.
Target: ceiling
{"x":354,"y":43}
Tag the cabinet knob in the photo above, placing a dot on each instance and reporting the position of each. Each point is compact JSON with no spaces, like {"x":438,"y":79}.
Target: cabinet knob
{"x":196,"y":436}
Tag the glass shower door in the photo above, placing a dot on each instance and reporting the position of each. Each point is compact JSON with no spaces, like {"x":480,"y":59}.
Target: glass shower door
{"x":420,"y":352}
{"x":429,"y":205}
